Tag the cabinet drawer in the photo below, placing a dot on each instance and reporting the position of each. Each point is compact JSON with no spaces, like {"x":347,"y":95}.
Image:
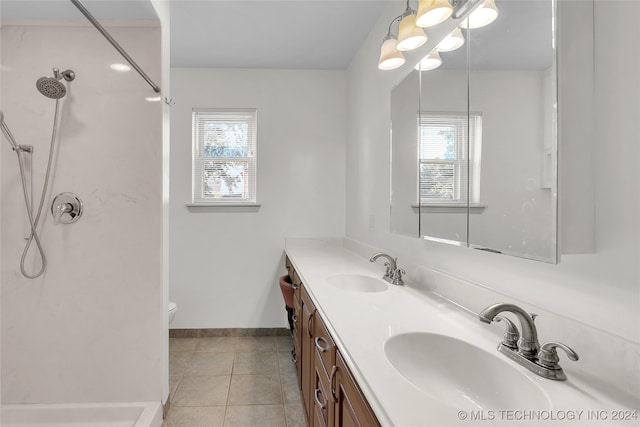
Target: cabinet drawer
{"x":325,"y":348}
{"x":322,"y":399}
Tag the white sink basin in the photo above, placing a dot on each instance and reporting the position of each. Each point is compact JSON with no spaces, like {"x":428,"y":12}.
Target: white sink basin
{"x":462,"y":375}
{"x":357,"y":283}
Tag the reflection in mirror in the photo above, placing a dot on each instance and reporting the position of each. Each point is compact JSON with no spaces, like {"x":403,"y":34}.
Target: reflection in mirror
{"x":405,"y":107}
{"x":443,"y":153}
{"x":512,"y":84}
{"x":474,"y":156}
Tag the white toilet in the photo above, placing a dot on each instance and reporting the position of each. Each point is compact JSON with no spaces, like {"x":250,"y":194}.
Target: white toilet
{"x":173,"y":309}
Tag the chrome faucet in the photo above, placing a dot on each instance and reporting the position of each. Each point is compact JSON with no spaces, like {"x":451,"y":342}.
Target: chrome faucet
{"x":527,"y":351}
{"x":393,"y":274}
{"x":528,"y":345}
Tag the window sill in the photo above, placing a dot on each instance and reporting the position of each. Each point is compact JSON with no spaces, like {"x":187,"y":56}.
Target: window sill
{"x":223,"y":207}
{"x":474,"y":208}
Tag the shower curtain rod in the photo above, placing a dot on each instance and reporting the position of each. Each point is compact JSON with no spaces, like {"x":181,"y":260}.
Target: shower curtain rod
{"x":114,"y":43}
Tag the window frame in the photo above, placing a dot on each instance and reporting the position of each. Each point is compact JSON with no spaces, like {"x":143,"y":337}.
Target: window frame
{"x":233,"y":115}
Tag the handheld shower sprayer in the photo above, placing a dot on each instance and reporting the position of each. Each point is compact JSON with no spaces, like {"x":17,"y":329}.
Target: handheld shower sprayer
{"x":7,"y":132}
{"x":53,"y":88}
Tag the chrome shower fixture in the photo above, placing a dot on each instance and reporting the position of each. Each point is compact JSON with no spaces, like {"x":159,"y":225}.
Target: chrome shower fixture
{"x":52,"y":87}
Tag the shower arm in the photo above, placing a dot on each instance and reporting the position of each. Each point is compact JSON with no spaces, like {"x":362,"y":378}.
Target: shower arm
{"x":114,"y":43}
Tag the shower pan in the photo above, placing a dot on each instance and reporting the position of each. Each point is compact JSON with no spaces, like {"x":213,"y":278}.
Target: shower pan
{"x":53,"y":88}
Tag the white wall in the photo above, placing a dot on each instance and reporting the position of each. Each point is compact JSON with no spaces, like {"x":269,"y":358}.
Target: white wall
{"x":89,"y":329}
{"x":600,"y":289}
{"x":225,"y":265}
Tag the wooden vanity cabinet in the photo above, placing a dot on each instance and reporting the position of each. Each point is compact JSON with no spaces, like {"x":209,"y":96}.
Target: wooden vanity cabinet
{"x":330,"y":395}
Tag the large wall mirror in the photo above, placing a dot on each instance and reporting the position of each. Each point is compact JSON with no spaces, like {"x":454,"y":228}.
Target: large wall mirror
{"x":474,"y":141}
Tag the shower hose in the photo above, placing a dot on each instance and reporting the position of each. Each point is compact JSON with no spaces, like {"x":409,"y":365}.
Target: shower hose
{"x":33,"y":222}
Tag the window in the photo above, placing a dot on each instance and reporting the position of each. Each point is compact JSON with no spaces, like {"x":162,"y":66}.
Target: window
{"x":444,"y":161}
{"x":224,"y":156}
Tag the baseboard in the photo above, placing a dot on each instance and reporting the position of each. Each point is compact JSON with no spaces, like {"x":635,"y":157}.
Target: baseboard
{"x":228,"y":332}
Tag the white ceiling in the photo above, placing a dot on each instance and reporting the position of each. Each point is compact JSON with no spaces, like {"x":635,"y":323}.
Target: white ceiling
{"x":293,"y":34}
{"x":301,"y":34}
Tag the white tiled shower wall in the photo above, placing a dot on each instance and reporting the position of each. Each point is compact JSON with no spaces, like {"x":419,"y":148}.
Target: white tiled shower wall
{"x":90,"y":329}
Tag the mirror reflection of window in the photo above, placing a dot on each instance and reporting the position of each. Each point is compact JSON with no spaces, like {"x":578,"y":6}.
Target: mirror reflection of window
{"x":443,"y":164}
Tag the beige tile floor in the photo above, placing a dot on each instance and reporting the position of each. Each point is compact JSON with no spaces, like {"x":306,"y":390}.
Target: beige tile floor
{"x":233,"y":382}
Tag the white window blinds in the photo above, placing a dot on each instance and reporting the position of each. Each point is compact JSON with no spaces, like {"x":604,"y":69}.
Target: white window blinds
{"x":224,"y":156}
{"x":445,"y":160}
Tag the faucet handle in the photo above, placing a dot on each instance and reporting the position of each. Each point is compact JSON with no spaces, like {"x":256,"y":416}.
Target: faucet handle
{"x":511,"y":335}
{"x":396,"y":276}
{"x":548,"y":355}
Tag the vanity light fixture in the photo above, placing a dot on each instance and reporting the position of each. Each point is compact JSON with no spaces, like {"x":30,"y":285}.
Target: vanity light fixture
{"x":485,"y":14}
{"x":433,"y":12}
{"x":429,"y":62}
{"x":410,"y":36}
{"x":390,"y":57}
{"x":453,"y":41}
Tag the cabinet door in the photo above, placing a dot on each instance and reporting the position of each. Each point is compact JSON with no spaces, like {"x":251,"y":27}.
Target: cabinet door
{"x":351,"y":408}
{"x":322,"y":398}
{"x":306,"y":340}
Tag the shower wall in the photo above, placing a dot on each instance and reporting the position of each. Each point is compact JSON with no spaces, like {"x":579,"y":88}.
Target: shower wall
{"x":90,"y":329}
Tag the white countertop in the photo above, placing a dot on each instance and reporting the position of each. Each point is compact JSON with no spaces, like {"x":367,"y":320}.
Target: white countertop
{"x":361,"y":322}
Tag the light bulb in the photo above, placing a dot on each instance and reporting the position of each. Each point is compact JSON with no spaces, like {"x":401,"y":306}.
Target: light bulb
{"x":390,"y":57}
{"x":452,"y":42}
{"x":410,"y":36}
{"x":483,"y":15}
{"x":429,"y":62}
{"x":433,"y":12}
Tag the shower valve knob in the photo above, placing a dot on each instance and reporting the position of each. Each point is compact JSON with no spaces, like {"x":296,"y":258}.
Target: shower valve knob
{"x":66,"y":208}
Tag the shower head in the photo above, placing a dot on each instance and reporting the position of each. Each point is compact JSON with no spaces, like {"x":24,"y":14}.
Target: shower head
{"x":52,"y":87}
